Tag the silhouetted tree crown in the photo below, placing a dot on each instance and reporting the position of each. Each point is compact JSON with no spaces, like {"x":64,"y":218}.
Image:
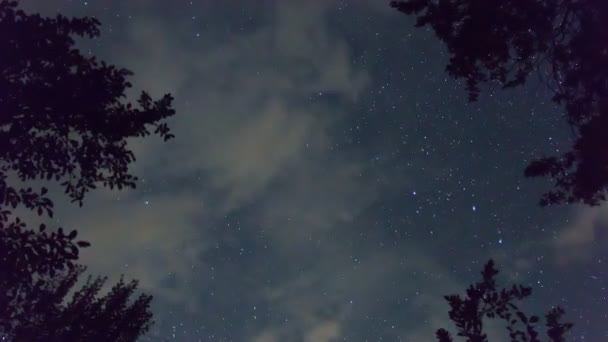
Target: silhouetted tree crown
{"x":47,"y":314}
{"x":64,"y":117}
{"x":485,"y":300}
{"x":566,"y":41}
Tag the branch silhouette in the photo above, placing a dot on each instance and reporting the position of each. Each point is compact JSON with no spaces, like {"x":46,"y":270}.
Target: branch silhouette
{"x":485,"y":300}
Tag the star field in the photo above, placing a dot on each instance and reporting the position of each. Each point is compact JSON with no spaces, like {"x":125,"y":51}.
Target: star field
{"x":328,"y":180}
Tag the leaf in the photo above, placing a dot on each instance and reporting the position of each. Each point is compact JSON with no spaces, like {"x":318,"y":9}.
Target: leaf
{"x":72,"y":234}
{"x":83,"y":244}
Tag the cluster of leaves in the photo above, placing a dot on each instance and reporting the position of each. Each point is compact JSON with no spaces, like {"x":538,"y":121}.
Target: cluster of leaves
{"x":63,"y":115}
{"x":485,"y":300}
{"x":46,"y":315}
{"x":64,"y":118}
{"x":566,"y":41}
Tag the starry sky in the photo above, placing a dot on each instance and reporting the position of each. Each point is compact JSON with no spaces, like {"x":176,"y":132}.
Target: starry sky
{"x":328,"y":181}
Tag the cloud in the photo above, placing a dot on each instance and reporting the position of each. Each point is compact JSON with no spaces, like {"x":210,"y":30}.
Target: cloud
{"x":341,"y":290}
{"x":252,"y":125}
{"x":326,"y":331}
{"x":244,"y":116}
{"x":578,"y":240}
{"x":146,"y":239}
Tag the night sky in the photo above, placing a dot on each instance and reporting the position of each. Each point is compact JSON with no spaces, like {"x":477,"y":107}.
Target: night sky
{"x":328,"y":180}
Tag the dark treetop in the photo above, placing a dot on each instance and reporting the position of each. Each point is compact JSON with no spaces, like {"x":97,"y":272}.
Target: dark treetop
{"x":46,"y":315}
{"x":566,"y":42}
{"x":485,"y":300}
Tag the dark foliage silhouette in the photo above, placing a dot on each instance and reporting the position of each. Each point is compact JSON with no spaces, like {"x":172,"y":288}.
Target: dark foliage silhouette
{"x":485,"y":300}
{"x":63,"y":115}
{"x":47,"y":315}
{"x":63,"y":118}
{"x":566,"y":42}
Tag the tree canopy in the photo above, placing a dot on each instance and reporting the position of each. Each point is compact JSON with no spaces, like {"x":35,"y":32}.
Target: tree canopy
{"x":566,"y":43}
{"x":64,"y":115}
{"x":65,"y":118}
{"x":46,"y":315}
{"x":485,"y":300}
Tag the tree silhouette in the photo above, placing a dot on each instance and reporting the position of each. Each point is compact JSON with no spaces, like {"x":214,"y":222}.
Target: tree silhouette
{"x":64,"y":117}
{"x":566,"y":42}
{"x":485,"y":300}
{"x":46,"y":314}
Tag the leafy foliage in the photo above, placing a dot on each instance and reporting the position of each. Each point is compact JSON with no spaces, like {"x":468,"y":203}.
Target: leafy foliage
{"x":62,"y":114}
{"x":485,"y":300}
{"x":64,"y":117}
{"x":566,"y":42}
{"x":46,"y":315}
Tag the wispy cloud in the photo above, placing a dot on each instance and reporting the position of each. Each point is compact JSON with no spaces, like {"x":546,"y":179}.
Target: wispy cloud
{"x":251,"y":125}
{"x":578,"y":240}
